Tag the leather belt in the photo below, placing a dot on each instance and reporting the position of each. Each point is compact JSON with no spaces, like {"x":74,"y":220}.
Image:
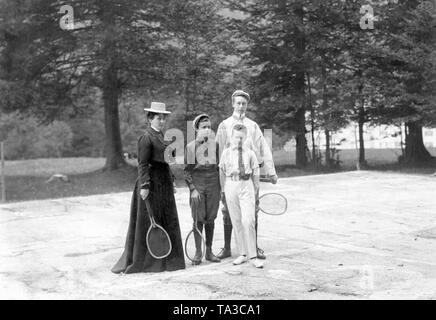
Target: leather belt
{"x":239,"y":177}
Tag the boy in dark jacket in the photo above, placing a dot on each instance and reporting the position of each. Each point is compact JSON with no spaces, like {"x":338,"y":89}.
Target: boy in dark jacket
{"x":202,"y":177}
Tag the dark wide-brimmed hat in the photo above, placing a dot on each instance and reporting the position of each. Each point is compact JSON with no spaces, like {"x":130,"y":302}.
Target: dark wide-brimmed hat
{"x":157,"y":107}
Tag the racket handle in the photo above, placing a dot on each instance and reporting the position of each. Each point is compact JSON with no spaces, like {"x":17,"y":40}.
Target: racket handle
{"x":150,"y":212}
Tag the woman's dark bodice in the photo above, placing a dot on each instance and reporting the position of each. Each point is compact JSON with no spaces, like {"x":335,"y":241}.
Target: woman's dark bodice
{"x":151,"y":149}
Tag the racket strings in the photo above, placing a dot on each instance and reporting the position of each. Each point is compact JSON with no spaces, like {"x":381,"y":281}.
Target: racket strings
{"x":158,"y":242}
{"x":157,"y":239}
{"x":195,"y":246}
{"x":273,"y":203}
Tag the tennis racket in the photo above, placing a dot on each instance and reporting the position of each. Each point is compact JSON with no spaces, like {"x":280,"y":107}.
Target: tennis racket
{"x":158,"y":240}
{"x":190,"y":245}
{"x":272,"y":203}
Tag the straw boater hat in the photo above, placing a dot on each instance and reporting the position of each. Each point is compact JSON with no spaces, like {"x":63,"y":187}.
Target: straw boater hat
{"x":241,"y":93}
{"x":157,"y":107}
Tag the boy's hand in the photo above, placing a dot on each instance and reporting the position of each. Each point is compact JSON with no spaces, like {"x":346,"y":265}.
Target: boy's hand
{"x":195,"y":197}
{"x":223,"y":197}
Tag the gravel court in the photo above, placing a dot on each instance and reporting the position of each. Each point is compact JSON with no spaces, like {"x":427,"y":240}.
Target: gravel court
{"x":353,"y":235}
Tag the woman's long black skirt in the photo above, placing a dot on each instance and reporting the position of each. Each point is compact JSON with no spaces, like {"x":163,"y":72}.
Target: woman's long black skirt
{"x":136,"y":257}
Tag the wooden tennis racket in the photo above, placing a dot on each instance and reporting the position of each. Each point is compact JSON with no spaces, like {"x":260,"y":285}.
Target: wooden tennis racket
{"x":190,"y":247}
{"x":158,"y":240}
{"x":274,"y":204}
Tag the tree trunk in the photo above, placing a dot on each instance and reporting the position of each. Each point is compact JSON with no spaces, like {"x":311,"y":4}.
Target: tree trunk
{"x":301,"y":141}
{"x":361,"y":118}
{"x":403,"y":151}
{"x":111,"y":89}
{"x":312,"y":129}
{"x":361,"y":122}
{"x":312,"y":121}
{"x":113,"y":145}
{"x":415,"y":152}
{"x":10,"y":49}
{"x":328,"y":160}
{"x":327,"y":118}
{"x":299,"y":87}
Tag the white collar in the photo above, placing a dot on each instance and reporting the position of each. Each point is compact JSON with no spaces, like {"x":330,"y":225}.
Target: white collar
{"x":236,"y":116}
{"x":154,"y":128}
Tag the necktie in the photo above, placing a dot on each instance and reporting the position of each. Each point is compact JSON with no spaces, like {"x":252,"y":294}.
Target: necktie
{"x":206,"y":152}
{"x":240,"y":160}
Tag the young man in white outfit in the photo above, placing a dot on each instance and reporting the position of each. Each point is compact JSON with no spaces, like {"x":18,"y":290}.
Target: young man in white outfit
{"x":239,"y":178}
{"x":256,"y":142}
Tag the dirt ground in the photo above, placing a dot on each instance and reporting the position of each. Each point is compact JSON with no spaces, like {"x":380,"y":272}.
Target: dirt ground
{"x":354,"y":235}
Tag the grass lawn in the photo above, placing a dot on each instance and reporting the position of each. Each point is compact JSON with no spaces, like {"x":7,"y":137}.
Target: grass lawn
{"x":349,"y":157}
{"x":35,"y":187}
{"x":47,"y":167}
{"x":27,"y":179}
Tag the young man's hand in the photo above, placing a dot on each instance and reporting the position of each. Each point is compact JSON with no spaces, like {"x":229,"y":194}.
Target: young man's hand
{"x":195,"y":197}
{"x":273,"y":179}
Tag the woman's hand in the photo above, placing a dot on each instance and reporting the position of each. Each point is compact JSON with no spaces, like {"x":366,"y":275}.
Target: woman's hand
{"x":144,"y":193}
{"x":195,"y":197}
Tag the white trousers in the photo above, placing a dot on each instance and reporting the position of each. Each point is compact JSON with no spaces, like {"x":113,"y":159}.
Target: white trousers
{"x":240,"y":200}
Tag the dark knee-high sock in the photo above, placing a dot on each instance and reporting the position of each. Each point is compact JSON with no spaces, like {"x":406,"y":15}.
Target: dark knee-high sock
{"x":208,"y":229}
{"x":227,"y":236}
{"x":255,"y":228}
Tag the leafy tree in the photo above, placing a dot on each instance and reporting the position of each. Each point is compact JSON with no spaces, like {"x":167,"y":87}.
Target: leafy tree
{"x":204,"y":64}
{"x":294,"y":45}
{"x":275,"y":47}
{"x":174,"y":50}
{"x":54,"y":139}
{"x":408,"y":62}
{"x":25,"y":137}
{"x":114,"y":45}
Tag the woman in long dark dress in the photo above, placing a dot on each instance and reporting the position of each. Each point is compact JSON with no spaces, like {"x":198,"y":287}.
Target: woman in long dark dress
{"x":155,"y":182}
